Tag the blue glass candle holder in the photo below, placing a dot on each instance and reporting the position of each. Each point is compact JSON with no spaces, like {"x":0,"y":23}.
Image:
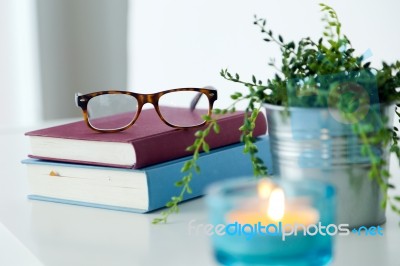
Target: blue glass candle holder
{"x":272,"y":222}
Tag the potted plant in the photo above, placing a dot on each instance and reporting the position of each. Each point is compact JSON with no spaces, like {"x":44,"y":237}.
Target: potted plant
{"x":329,"y":116}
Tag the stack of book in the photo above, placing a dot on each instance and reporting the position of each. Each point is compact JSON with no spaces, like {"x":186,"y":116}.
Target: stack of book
{"x":135,"y":169}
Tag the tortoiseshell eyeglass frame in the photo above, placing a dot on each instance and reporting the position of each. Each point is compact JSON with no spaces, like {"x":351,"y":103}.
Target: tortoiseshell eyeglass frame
{"x":152,"y":98}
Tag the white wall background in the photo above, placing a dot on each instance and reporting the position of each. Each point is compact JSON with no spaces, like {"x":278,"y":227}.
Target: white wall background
{"x":178,"y":43}
{"x":83,"y":48}
{"x":19,"y":75}
{"x":51,"y":49}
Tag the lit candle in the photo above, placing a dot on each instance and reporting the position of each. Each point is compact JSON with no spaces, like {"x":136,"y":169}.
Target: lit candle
{"x":276,"y":209}
{"x":271,"y":222}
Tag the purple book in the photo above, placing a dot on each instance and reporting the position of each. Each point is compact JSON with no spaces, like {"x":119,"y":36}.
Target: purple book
{"x":149,"y":141}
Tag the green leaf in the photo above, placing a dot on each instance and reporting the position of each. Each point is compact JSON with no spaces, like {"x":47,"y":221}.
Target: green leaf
{"x":216,"y":128}
{"x":236,"y":95}
{"x":190,"y":148}
{"x":186,"y":166}
{"x":366,"y":65}
{"x":254,"y":79}
{"x":280,"y":38}
{"x":197,"y":169}
{"x":364,"y":150}
{"x":385,"y":173}
{"x":258,"y":160}
{"x":169,"y":204}
{"x":206,"y":117}
{"x":198,"y":134}
{"x":157,"y":220}
{"x":383,"y":204}
{"x":246,"y":149}
{"x":254,"y":114}
{"x":394,"y":148}
{"x":179,"y":183}
{"x":206,"y":147}
{"x":175,"y":199}
{"x":187,"y":178}
{"x":216,"y":111}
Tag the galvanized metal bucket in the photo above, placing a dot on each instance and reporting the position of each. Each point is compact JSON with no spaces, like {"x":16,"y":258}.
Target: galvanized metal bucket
{"x":307,"y":143}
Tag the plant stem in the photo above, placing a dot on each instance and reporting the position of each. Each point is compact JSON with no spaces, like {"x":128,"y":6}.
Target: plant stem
{"x":189,"y":167}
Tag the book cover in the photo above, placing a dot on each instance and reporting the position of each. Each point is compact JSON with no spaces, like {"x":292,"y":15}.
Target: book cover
{"x":149,"y":141}
{"x":136,"y":190}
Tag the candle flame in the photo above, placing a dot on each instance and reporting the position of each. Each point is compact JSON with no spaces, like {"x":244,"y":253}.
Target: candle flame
{"x":264,"y":189}
{"x":276,"y":206}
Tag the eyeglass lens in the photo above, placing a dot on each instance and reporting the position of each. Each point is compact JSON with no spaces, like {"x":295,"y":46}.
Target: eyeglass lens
{"x":184,"y":116}
{"x":111,"y":111}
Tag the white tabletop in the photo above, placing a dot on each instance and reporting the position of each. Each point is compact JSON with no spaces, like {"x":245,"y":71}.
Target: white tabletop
{"x":67,"y":235}
{"x":13,"y":252}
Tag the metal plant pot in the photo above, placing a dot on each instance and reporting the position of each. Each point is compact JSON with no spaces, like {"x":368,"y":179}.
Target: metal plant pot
{"x":308,"y":143}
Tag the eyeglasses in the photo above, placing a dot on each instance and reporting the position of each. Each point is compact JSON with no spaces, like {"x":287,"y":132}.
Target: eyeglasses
{"x":113,"y":111}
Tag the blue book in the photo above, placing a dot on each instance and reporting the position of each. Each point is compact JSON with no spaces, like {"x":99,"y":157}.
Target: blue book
{"x":136,"y":190}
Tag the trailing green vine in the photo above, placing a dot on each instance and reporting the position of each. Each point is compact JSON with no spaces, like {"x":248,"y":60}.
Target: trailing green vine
{"x":312,"y":69}
{"x":200,"y":144}
{"x":189,"y":167}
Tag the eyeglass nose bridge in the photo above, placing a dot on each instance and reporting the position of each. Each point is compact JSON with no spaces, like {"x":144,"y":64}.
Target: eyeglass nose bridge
{"x":148,"y":98}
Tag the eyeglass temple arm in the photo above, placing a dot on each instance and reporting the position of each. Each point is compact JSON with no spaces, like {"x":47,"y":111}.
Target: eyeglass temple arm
{"x":197,"y":98}
{"x":76,"y":98}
